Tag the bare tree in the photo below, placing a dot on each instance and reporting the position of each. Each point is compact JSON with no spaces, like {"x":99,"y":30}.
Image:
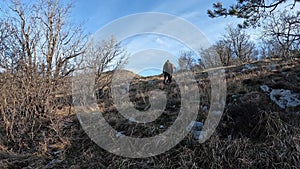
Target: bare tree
{"x":284,"y":30}
{"x":209,"y":58}
{"x":241,"y":46}
{"x":224,"y":51}
{"x":234,"y":47}
{"x":39,"y":48}
{"x":264,"y":50}
{"x":186,"y":60}
{"x":270,"y":48}
{"x":104,"y":58}
{"x":219,"y":52}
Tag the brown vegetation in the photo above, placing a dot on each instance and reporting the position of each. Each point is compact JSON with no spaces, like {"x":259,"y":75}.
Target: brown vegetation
{"x":40,"y":50}
{"x":254,"y":132}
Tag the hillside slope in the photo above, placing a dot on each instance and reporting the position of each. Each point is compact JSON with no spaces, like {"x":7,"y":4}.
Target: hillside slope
{"x":259,"y":127}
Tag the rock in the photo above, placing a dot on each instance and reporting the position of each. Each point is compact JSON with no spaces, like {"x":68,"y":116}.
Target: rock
{"x":229,"y":137}
{"x":196,"y":128}
{"x":196,"y":134}
{"x":195,"y":125}
{"x":204,"y":108}
{"x":198,"y":125}
{"x":265,"y":88}
{"x":284,"y":98}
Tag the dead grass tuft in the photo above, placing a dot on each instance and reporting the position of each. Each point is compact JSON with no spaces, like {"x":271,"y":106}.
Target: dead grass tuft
{"x":253,"y":132}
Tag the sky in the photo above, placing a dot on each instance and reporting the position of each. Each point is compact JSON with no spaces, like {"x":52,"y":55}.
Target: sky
{"x":149,"y":51}
{"x":95,"y":14}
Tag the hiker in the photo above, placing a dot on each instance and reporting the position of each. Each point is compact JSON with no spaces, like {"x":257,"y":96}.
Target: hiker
{"x":168,"y":71}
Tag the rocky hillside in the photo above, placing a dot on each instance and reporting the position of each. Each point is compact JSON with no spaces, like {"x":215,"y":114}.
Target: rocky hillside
{"x":259,"y":127}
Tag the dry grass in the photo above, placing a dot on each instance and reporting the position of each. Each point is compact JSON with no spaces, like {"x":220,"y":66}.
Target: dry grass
{"x":253,"y":132}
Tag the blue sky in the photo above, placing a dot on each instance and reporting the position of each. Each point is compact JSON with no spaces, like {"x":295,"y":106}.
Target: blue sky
{"x":95,"y":14}
{"x":145,"y":48}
